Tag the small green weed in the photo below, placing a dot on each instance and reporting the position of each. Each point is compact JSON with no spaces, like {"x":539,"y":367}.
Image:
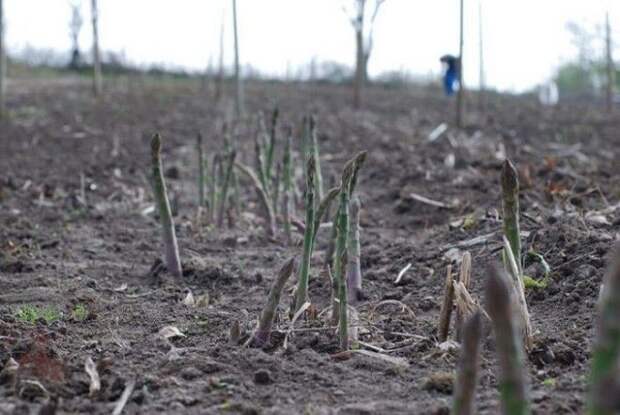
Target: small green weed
{"x":31,"y":314}
{"x":79,"y":312}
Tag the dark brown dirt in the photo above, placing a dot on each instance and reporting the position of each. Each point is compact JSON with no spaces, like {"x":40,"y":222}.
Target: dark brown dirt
{"x":58,"y":252}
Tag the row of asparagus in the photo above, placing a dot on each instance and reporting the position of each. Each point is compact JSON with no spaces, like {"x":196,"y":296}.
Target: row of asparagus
{"x":275,"y":186}
{"x":507,"y":312}
{"x":506,"y":308}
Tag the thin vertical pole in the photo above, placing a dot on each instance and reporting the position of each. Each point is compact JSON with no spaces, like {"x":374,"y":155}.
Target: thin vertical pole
{"x":459,"y":98}
{"x":2,"y":62}
{"x":610,"y":64}
{"x":96,"y":57}
{"x":239,"y":85}
{"x":481,"y":59}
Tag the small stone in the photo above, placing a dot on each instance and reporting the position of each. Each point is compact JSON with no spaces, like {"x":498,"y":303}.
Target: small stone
{"x":262,"y":377}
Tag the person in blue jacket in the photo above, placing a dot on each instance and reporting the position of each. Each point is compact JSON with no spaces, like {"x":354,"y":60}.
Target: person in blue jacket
{"x":451,"y":75}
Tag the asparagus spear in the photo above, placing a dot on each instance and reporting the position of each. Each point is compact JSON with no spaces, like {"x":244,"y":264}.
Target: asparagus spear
{"x":171,"y":248}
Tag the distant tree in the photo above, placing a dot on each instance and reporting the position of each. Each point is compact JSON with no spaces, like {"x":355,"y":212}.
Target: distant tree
{"x":592,"y":69}
{"x":363,"y":25}
{"x":96,"y":59}
{"x":75,"y":26}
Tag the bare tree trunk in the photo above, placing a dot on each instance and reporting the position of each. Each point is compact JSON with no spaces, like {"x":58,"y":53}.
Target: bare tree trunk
{"x":96,"y":58}
{"x":2,"y":63}
{"x":219,"y":85}
{"x":238,"y":84}
{"x":481,"y":60}
{"x":459,"y":98}
{"x":610,"y":65}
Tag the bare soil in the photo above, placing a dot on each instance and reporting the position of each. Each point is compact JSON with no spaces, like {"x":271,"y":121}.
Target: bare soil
{"x":59,"y":251}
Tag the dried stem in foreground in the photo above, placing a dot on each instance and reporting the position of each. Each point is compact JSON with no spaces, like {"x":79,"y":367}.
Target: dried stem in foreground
{"x":446,"y":307}
{"x":512,"y":381}
{"x":171,"y":248}
{"x":519,"y":289}
{"x":261,"y":335}
{"x":467,"y":373}
{"x":606,"y":351}
{"x":465,"y":279}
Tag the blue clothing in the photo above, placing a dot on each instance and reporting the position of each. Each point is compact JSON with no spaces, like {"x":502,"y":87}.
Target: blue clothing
{"x":449,"y":81}
{"x":450,"y":78}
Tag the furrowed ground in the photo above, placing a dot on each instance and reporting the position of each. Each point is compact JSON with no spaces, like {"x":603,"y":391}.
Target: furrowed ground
{"x":77,"y":279}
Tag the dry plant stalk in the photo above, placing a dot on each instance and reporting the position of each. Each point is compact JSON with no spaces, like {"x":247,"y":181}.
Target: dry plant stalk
{"x":201,"y":171}
{"x":171,"y":248}
{"x":465,"y":279}
{"x":467,"y":373}
{"x":354,"y":271}
{"x":264,"y":198}
{"x":301,"y":295}
{"x":606,"y":350}
{"x":446,"y":307}
{"x":230,"y":162}
{"x":213,"y":186}
{"x":261,"y":335}
{"x":519,"y":288}
{"x":512,"y":380}
{"x":287,"y":181}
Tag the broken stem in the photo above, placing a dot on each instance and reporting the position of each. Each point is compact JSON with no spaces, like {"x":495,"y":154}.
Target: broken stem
{"x":446,"y":307}
{"x":171,"y":248}
{"x":465,"y":279}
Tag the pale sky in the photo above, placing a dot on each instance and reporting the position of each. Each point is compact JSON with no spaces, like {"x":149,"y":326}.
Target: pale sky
{"x":524,"y":40}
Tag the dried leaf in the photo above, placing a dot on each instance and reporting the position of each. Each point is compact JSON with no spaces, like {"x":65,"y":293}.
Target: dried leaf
{"x":189,"y":299}
{"x":95,"y":382}
{"x":169,"y":332}
{"x":121,"y":288}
